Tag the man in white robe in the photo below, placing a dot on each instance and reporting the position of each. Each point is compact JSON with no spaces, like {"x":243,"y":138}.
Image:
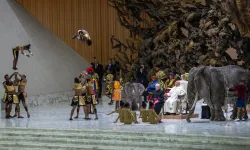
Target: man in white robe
{"x":172,"y":98}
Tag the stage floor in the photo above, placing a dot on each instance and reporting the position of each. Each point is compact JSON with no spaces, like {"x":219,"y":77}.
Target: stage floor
{"x":57,"y":116}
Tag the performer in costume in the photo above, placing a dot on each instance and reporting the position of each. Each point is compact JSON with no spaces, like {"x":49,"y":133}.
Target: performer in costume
{"x":117,"y":93}
{"x":21,"y":93}
{"x":15,"y":51}
{"x":12,"y":98}
{"x":82,"y":78}
{"x":7,"y":79}
{"x":83,"y":36}
{"x":153,"y":118}
{"x":77,"y":99}
{"x":144,"y":112}
{"x":109,"y":86}
{"x":119,"y":110}
{"x":92,"y":87}
{"x":127,"y":115}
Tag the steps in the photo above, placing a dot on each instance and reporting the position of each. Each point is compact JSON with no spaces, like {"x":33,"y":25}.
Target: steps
{"x":38,"y":139}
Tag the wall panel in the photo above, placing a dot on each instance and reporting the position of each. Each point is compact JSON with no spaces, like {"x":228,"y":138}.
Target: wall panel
{"x":65,"y":17}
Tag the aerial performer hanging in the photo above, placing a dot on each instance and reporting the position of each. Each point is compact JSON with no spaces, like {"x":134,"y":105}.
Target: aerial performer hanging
{"x":83,"y":36}
{"x":15,"y":51}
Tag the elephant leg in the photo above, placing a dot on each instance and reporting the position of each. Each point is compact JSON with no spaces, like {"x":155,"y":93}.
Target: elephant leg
{"x":212,"y":117}
{"x":219,"y":115}
{"x":234,"y":114}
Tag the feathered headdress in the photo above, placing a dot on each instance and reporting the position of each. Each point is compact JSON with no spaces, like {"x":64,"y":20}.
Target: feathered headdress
{"x":89,"y":70}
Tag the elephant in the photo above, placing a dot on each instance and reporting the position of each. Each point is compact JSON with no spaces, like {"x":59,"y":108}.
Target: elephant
{"x":211,"y":84}
{"x":132,"y":93}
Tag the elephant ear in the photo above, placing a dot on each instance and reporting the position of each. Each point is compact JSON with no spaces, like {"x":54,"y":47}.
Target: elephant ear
{"x":127,"y":89}
{"x":140,"y":88}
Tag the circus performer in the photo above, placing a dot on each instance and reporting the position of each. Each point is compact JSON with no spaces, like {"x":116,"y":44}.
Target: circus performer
{"x":127,"y":115}
{"x":12,"y":98}
{"x":22,"y":95}
{"x":92,"y":87}
{"x":15,"y":51}
{"x":83,"y":77}
{"x":7,"y":79}
{"x":153,"y":118}
{"x":83,"y":36}
{"x":109,"y":86}
{"x":77,"y":99}
{"x":117,"y":93}
{"x":119,"y":110}
{"x":144,"y":112}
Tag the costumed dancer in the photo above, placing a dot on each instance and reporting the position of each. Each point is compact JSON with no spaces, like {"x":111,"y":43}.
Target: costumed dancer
{"x":117,"y":93}
{"x":153,"y":118}
{"x":151,"y":87}
{"x":15,"y":51}
{"x":127,"y":115}
{"x":22,"y":95}
{"x":92,"y":87}
{"x":83,"y":77}
{"x":77,"y":99}
{"x":7,"y":79}
{"x":119,"y":110}
{"x":83,"y":36}
{"x":109,"y":86}
{"x":12,"y":98}
{"x":144,"y":112}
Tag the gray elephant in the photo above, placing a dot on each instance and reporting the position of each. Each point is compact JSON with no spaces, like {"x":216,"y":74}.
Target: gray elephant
{"x":132,"y":93}
{"x":211,"y":84}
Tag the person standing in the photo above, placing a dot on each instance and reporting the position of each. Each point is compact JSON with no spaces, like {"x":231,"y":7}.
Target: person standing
{"x":142,"y":77}
{"x":98,"y":68}
{"x":241,"y":91}
{"x":22,"y":95}
{"x":111,"y":67}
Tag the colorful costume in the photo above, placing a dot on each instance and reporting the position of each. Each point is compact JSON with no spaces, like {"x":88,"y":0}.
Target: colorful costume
{"x":160,"y":75}
{"x":15,"y":51}
{"x":151,"y":87}
{"x":109,"y":87}
{"x":152,"y":116}
{"x":127,"y":115}
{"x":78,"y":100}
{"x":144,"y":115}
{"x":119,"y":110}
{"x":117,"y":91}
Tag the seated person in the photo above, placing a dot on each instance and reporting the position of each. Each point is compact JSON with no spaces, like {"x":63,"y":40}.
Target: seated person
{"x":170,"y":82}
{"x":151,"y":87}
{"x":144,"y":113}
{"x":158,"y":100}
{"x":172,"y":98}
{"x":127,"y":115}
{"x":153,"y":118}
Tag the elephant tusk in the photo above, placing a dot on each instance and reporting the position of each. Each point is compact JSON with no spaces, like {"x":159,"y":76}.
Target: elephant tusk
{"x":195,"y":101}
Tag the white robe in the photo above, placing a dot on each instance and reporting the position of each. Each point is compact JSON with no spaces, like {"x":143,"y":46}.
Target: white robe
{"x":170,"y":105}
